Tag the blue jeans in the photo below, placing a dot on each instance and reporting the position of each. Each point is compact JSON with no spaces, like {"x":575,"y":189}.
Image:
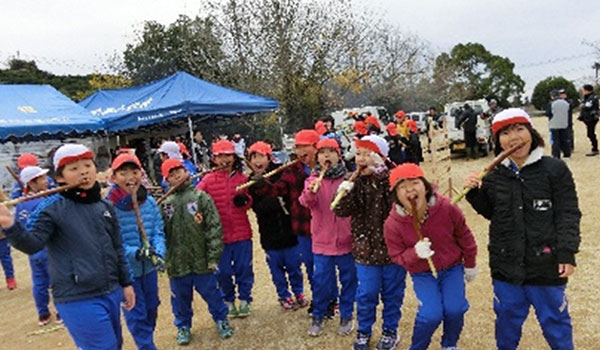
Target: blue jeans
{"x":236,"y":260}
{"x":94,"y":323}
{"x":41,"y":282}
{"x":284,"y":261}
{"x":141,"y":320}
{"x":373,"y":281}
{"x":511,"y":305}
{"x":182,"y":294}
{"x":441,"y":299}
{"x":6,"y":259}
{"x":325,"y":277}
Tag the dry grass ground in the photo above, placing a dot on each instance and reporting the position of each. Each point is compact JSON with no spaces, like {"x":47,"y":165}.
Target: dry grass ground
{"x":270,"y":328}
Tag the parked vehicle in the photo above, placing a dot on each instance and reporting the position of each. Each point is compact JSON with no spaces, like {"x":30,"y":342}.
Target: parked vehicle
{"x":421,"y":119}
{"x":456,"y":135}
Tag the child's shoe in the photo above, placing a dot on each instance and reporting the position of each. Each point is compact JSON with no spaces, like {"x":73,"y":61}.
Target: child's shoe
{"x":389,"y":340}
{"x":301,"y":301}
{"x":450,"y":348}
{"x":316,"y":327}
{"x":233,"y":311}
{"x":224,"y":329}
{"x":11,"y":283}
{"x":183,"y":336}
{"x":43,"y":320}
{"x":362,"y":341}
{"x":58,"y":320}
{"x":346,"y":326}
{"x":287,"y":304}
{"x":244,"y":310}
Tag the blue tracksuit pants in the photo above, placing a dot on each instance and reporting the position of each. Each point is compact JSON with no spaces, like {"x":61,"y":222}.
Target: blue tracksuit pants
{"x":325,"y":277}
{"x":441,"y":299}
{"x":236,"y":261}
{"x":141,"y":320}
{"x":306,"y":257}
{"x":94,"y":323}
{"x":182,"y":294}
{"x":6,"y":259}
{"x":284,"y":261}
{"x":387,"y":281}
{"x":511,"y":305}
{"x":41,"y":282}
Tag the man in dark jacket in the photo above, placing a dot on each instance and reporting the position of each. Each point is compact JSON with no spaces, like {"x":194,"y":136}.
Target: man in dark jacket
{"x":468,"y":122}
{"x":589,"y":115}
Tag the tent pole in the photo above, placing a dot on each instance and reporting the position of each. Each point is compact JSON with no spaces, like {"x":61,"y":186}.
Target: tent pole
{"x":193,"y":144}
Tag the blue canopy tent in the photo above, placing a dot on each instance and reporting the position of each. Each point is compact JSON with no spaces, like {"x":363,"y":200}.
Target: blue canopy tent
{"x":41,"y":110}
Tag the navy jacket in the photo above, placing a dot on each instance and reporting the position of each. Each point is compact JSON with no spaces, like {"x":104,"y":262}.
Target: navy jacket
{"x":85,"y":254}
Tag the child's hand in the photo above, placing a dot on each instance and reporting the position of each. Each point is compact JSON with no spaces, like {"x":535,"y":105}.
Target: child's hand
{"x":423,"y":249}
{"x":470,"y":274}
{"x":472,"y":181}
{"x":198,"y":218}
{"x":565,"y":270}
{"x":7,"y":219}
{"x":129,"y":296}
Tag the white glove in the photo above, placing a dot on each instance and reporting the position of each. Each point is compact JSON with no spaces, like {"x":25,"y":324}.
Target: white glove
{"x":377,"y":159}
{"x":470,"y":273}
{"x":346,"y":186}
{"x":423,"y":249}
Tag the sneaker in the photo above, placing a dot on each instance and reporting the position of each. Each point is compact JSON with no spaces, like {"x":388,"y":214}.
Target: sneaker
{"x":389,"y":340}
{"x":43,"y":320}
{"x":244,"y":310}
{"x":301,"y":301}
{"x":58,"y":320}
{"x":183,"y":336}
{"x":233,"y":311}
{"x":316,"y":327}
{"x":332,"y":310}
{"x":11,"y":283}
{"x":346,"y":326}
{"x":362,"y":341}
{"x":287,"y":304}
{"x":450,"y":348}
{"x":224,"y":329}
{"x":592,"y":154}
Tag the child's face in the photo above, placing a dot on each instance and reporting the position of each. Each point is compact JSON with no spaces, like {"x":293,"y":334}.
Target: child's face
{"x":513,"y":135}
{"x":363,"y":157}
{"x":260,"y":162}
{"x":127,"y":178}
{"x":410,"y":189}
{"x":225,"y":160}
{"x":78,"y":171}
{"x":328,"y":125}
{"x":176,"y":176}
{"x":38,"y":184}
{"x":327,"y":157}
{"x":305,"y":153}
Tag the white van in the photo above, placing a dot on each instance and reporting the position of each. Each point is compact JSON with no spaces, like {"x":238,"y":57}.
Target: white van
{"x":421,"y":119}
{"x":483,"y":133}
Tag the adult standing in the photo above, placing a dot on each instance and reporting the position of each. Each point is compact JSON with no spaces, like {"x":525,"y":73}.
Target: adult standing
{"x":562,"y":93}
{"x":558,"y":123}
{"x":589,"y":116}
{"x":468,"y":121}
{"x":201,"y":149}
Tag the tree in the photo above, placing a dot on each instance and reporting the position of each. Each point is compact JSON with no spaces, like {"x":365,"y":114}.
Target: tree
{"x":470,"y":71}
{"x":99,"y":81}
{"x":541,"y":92}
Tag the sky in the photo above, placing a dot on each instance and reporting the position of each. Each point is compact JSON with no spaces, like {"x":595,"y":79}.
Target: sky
{"x":542,"y":37}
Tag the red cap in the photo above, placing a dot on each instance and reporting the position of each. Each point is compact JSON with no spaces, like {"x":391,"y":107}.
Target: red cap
{"x":400,"y":114}
{"x":320,"y":128}
{"x":70,"y":153}
{"x":260,"y":147}
{"x":360,"y":127}
{"x":373,"y":121}
{"x":223,"y":147}
{"x":306,"y":137}
{"x":328,"y":143}
{"x":169,"y":165}
{"x":125,"y":158}
{"x":27,"y":159}
{"x":392,"y":129}
{"x":183,"y":149}
{"x":403,"y":172}
{"x":412,"y":125}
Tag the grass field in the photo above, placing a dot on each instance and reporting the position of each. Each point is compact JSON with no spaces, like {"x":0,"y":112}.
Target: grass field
{"x":270,"y":328}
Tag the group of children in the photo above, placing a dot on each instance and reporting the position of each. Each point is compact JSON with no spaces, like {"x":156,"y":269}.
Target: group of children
{"x":357,"y":236}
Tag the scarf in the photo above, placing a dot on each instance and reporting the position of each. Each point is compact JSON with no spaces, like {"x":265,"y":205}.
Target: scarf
{"x":122,"y":200}
{"x":333,"y":172}
{"x":79,"y":195}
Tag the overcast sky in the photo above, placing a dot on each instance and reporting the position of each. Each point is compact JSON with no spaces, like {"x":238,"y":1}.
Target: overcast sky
{"x":542,"y":37}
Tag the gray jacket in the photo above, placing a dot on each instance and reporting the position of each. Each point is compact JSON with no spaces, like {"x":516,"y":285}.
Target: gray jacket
{"x":560,"y":114}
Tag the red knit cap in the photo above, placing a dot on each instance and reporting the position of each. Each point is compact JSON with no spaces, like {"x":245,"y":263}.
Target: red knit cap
{"x":261,"y":147}
{"x":306,"y":137}
{"x":27,"y":159}
{"x":403,"y":172}
{"x":328,"y":143}
{"x":169,"y":165}
{"x":223,"y":147}
{"x":373,"y":121}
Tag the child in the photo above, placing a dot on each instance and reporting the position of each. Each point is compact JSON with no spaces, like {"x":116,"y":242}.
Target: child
{"x":127,"y":177}
{"x":173,"y":150}
{"x":25,"y":160}
{"x":368,"y":201}
{"x":401,"y":126}
{"x":232,"y":205}
{"x":35,"y":180}
{"x":88,"y":270}
{"x":7,"y":263}
{"x":412,"y":144}
{"x":373,"y":126}
{"x":534,"y":216}
{"x":396,"y":153}
{"x":194,"y":246}
{"x":276,"y":236}
{"x":332,"y":241}
{"x":441,"y":299}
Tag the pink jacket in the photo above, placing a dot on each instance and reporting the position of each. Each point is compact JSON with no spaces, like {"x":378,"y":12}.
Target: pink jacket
{"x":451,"y":239}
{"x":220,"y":185}
{"x":330,"y":233}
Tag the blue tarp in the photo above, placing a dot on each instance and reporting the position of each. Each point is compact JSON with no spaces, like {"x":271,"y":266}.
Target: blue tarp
{"x":41,"y":109}
{"x":178,"y":95}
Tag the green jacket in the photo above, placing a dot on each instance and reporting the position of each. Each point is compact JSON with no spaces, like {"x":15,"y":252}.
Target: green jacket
{"x":191,"y":248}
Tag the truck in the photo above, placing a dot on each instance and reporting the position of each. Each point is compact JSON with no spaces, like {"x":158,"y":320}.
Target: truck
{"x":484,"y":130}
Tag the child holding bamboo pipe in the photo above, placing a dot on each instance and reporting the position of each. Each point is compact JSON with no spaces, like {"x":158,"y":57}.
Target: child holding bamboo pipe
{"x":532,"y":205}
{"x":331,"y":241}
{"x":127,"y":176}
{"x":448,"y":242}
{"x":88,"y":270}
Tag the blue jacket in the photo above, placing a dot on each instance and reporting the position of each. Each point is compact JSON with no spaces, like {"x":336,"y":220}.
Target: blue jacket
{"x":85,"y":253}
{"x":130,"y":234}
{"x":22,"y":212}
{"x":17,"y":191}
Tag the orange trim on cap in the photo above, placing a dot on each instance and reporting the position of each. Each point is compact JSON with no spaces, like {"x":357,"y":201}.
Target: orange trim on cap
{"x":519,"y":119}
